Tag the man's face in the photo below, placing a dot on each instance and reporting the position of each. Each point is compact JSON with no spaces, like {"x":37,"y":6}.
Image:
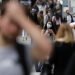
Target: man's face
{"x":8,"y":28}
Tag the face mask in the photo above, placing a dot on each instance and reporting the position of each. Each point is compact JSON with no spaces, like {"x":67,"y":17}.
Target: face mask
{"x":49,"y":25}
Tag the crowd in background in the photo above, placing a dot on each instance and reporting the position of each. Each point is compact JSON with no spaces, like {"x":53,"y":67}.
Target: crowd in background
{"x":48,"y":14}
{"x":60,"y":31}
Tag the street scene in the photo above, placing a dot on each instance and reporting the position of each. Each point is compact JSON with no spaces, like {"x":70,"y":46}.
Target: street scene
{"x":37,"y":37}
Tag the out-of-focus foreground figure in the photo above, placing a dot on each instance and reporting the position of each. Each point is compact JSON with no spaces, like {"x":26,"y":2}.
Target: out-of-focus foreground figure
{"x":17,"y":59}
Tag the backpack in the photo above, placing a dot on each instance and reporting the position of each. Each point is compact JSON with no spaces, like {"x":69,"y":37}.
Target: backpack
{"x":21,"y":49}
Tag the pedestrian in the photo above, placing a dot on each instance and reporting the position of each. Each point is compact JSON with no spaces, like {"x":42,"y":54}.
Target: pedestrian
{"x":69,"y":17}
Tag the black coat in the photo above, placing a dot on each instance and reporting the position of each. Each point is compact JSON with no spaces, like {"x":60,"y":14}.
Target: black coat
{"x":63,"y":60}
{"x":63,"y":53}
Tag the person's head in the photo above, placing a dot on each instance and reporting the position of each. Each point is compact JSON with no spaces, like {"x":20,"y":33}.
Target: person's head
{"x":55,"y":1}
{"x":67,"y":12}
{"x":8,"y":28}
{"x":33,"y":2}
{"x":65,"y":32}
{"x":41,"y":13}
{"x":50,"y":1}
{"x":38,"y":2}
{"x":58,"y":13}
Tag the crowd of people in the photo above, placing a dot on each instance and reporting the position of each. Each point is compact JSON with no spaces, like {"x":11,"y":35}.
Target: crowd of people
{"x":52,"y":39}
{"x":46,"y":13}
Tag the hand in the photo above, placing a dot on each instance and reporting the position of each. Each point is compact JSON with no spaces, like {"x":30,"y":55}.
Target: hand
{"x":14,"y":10}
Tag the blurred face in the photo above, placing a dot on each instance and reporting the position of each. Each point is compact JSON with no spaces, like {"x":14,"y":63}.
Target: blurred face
{"x":55,"y":1}
{"x":49,"y":13}
{"x":67,"y":11}
{"x":8,"y":28}
{"x":50,"y":1}
{"x":41,"y":14}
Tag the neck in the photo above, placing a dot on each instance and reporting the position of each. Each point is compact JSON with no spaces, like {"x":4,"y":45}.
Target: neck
{"x":4,"y":42}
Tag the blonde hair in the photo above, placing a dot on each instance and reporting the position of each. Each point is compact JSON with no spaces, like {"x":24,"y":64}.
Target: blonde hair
{"x":66,"y":33}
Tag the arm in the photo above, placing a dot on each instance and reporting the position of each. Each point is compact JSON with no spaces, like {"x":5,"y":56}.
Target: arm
{"x":35,"y":33}
{"x":16,"y":13}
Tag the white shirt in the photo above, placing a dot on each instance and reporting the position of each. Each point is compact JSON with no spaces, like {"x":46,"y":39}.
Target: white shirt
{"x":9,"y":64}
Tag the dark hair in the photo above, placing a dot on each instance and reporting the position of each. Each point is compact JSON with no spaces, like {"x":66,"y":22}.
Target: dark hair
{"x":41,"y":12}
{"x":33,"y":2}
{"x":3,"y":7}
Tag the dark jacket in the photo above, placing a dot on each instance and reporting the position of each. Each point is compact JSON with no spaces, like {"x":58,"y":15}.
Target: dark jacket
{"x":70,"y":70}
{"x":63,"y":53}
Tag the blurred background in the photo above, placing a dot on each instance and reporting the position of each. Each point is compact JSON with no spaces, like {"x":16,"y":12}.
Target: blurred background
{"x":56,"y":18}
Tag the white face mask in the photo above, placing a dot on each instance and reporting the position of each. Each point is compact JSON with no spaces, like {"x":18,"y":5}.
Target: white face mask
{"x":49,"y":25}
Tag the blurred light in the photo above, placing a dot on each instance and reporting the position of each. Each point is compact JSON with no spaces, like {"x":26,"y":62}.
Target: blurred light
{"x":0,"y":1}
